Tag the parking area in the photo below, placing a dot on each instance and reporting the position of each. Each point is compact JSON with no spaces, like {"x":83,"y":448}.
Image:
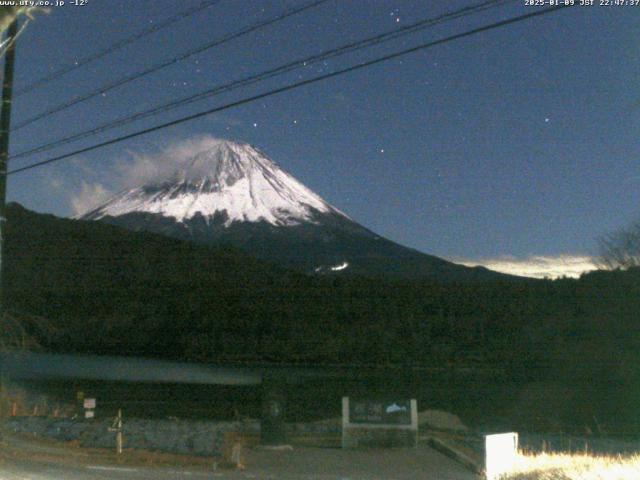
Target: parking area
{"x":24,"y":459}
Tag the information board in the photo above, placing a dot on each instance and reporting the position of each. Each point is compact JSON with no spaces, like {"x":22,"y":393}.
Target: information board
{"x":379,"y":423}
{"x":380,"y":412}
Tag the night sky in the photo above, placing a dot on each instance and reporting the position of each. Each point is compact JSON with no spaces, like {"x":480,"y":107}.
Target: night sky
{"x":518,"y":142}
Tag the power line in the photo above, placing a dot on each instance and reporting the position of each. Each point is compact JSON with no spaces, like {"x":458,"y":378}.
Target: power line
{"x":292,"y":86}
{"x":116,"y":46}
{"x":290,"y":66}
{"x":167,"y":63}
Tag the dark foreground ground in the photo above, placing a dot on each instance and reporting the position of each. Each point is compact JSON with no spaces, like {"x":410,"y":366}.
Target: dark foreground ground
{"x":23,"y":458}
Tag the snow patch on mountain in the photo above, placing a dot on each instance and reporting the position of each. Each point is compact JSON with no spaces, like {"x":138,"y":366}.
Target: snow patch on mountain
{"x":340,"y":267}
{"x":228,"y":178}
{"x":336,"y":268}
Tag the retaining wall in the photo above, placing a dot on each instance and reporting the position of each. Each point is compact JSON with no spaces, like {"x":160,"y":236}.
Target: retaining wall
{"x":175,"y":436}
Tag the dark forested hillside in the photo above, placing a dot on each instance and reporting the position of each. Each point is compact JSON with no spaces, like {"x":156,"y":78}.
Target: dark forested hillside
{"x":108,"y":290}
{"x":567,"y":349}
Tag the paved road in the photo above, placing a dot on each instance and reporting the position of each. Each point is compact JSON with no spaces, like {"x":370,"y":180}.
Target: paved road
{"x":422,"y":463}
{"x":23,"y":470}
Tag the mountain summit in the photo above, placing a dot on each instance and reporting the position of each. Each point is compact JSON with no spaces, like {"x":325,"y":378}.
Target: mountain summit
{"x":231,"y":193}
{"x":232,"y":181}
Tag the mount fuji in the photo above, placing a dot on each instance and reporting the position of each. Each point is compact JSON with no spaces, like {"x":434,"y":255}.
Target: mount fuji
{"x":231,"y":193}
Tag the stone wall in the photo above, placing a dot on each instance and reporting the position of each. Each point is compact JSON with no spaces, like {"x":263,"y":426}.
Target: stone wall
{"x":175,"y":436}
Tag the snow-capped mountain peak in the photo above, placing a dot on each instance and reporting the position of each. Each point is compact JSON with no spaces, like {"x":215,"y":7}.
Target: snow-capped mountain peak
{"x":230,"y":179}
{"x":217,"y":192}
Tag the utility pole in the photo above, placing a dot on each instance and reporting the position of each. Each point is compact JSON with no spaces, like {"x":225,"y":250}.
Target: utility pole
{"x":5,"y":126}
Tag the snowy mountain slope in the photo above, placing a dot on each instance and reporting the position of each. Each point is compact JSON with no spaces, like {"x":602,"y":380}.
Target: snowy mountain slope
{"x":230,"y":179}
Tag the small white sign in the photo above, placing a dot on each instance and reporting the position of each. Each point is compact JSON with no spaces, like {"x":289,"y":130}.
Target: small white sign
{"x":501,"y":452}
{"x":89,"y":414}
{"x":89,"y":403}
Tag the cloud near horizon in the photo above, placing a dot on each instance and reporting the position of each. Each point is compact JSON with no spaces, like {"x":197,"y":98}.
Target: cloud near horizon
{"x":537,"y":266}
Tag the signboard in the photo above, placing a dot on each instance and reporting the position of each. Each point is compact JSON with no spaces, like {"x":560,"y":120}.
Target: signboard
{"x":89,"y":403}
{"x":379,"y":423}
{"x":501,"y":452}
{"x":394,"y":412}
{"x":89,"y":414}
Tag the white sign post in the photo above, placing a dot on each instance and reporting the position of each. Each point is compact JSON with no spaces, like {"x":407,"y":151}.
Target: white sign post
{"x":501,"y":452}
{"x":89,"y":405}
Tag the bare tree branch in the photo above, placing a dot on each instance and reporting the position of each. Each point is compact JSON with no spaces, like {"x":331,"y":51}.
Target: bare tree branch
{"x":621,"y":249}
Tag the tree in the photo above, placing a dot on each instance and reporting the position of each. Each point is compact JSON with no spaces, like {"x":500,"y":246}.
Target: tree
{"x":621,"y":249}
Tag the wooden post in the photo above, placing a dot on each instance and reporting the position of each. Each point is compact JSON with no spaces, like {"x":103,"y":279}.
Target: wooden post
{"x":119,"y":433}
{"x":117,"y":427}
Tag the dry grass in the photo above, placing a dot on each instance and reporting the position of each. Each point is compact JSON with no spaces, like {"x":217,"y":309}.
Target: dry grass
{"x":581,"y":466}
